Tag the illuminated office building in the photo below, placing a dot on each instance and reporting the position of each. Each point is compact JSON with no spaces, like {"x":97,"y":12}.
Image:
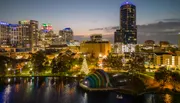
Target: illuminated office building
{"x":96,"y":37}
{"x":15,"y":35}
{"x":46,"y":35}
{"x":66,"y":35}
{"x":46,"y":28}
{"x":96,"y":46}
{"x":118,"y":36}
{"x":179,"y":41}
{"x":128,"y":23}
{"x":167,"y":59}
{"x":4,"y":36}
{"x":29,"y":33}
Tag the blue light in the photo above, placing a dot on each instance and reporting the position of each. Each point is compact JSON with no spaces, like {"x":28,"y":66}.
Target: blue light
{"x":127,"y":3}
{"x":13,"y":25}
{"x":45,"y":31}
{"x":3,"y":23}
{"x":67,"y":29}
{"x":14,"y":28}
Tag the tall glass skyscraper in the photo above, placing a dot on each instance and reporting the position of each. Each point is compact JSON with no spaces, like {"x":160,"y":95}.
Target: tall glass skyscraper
{"x":128,"y":23}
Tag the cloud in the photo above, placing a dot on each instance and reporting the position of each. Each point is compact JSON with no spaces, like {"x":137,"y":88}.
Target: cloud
{"x":172,"y":20}
{"x":106,"y":29}
{"x":156,"y":31}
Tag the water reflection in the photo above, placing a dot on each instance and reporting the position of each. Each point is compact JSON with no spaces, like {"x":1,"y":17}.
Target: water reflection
{"x":65,"y":90}
{"x":7,"y":94}
{"x":167,"y":98}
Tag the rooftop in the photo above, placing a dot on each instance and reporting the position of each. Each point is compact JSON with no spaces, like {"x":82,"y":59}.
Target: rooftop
{"x":67,"y":29}
{"x":127,"y":3}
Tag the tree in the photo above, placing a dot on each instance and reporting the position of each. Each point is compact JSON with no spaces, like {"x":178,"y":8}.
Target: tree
{"x":137,"y":63}
{"x":38,"y":59}
{"x":163,"y":76}
{"x":4,"y":61}
{"x":84,"y":68}
{"x":113,"y":62}
{"x":175,"y":79}
{"x":62,"y":63}
{"x":2,"y":65}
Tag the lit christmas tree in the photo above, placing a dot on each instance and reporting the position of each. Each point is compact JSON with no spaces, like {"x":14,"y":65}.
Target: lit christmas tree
{"x":84,"y":68}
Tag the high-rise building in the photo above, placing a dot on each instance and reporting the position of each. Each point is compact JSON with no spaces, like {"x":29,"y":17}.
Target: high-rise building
{"x":15,"y":35}
{"x":46,"y":35}
{"x":29,"y":33}
{"x":46,"y":28}
{"x":179,"y":41}
{"x":66,"y":35}
{"x":4,"y":36}
{"x":96,"y":37}
{"x":128,"y":23}
{"x":118,"y":36}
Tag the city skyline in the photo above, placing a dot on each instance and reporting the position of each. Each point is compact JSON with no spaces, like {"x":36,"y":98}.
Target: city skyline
{"x":84,"y":15}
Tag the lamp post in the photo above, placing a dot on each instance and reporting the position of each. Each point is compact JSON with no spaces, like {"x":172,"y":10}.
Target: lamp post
{"x":9,"y":69}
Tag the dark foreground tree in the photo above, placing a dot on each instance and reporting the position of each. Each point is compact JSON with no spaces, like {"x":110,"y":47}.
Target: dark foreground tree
{"x":113,"y":62}
{"x":163,"y":76}
{"x":3,"y":64}
{"x":38,"y":59}
{"x":63,"y":63}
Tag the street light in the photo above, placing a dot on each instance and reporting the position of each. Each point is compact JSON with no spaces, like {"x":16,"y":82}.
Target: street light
{"x":9,"y":69}
{"x":104,"y":56}
{"x":100,"y":55}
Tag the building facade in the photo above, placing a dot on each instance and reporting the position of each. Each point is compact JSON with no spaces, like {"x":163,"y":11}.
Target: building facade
{"x":96,"y":37}
{"x":29,"y":33}
{"x":96,"y":48}
{"x":118,"y":34}
{"x":66,"y":35}
{"x":166,"y":59}
{"x":179,"y":41}
{"x":4,"y":36}
{"x":15,"y":35}
{"x":46,"y":35}
{"x":128,"y":23}
{"x":46,"y":27}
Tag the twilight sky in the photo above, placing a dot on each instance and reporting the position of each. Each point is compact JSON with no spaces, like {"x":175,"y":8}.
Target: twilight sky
{"x":82,"y":15}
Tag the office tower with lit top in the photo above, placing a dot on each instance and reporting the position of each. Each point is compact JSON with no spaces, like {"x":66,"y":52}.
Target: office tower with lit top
{"x":4,"y":36}
{"x":46,"y":27}
{"x":66,"y":35}
{"x":179,"y":40}
{"x":128,"y":23}
{"x":29,"y":33}
{"x":46,"y":35}
{"x":15,"y":35}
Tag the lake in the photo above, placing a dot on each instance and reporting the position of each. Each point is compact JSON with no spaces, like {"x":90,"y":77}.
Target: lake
{"x":65,"y":90}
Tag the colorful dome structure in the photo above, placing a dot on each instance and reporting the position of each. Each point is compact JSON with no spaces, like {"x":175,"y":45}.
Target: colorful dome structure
{"x":98,"y":79}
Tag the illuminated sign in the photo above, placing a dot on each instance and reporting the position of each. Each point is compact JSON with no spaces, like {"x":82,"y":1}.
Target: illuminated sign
{"x":25,"y":22}
{"x":46,"y":27}
{"x":3,"y":23}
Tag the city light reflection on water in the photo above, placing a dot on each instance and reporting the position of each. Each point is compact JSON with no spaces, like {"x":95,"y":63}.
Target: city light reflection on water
{"x":168,"y":98}
{"x":64,"y":90}
{"x":6,"y":97}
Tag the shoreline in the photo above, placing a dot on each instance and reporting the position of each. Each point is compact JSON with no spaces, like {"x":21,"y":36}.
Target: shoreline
{"x":129,"y":91}
{"x":7,"y":76}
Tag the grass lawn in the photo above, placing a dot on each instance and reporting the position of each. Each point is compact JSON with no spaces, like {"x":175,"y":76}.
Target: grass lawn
{"x":150,"y":73}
